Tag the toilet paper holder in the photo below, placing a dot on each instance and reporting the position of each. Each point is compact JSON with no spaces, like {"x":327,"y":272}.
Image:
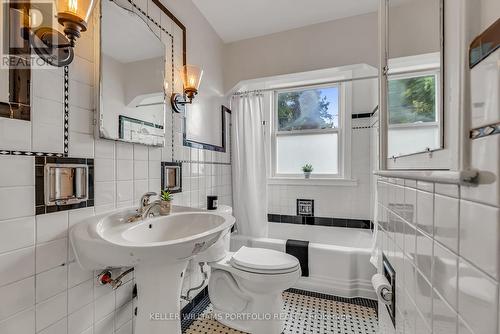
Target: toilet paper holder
{"x":389,"y":295}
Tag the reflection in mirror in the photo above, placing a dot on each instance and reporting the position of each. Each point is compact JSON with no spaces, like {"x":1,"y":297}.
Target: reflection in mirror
{"x":132,"y":96}
{"x":15,"y":75}
{"x":414,"y":94}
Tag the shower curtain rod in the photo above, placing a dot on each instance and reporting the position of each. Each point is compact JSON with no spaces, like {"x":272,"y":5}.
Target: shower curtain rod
{"x":303,"y":86}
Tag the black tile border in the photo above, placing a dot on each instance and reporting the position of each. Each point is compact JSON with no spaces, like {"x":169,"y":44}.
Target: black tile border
{"x":191,"y":311}
{"x":40,"y":207}
{"x":321,"y":221}
{"x":371,"y":303}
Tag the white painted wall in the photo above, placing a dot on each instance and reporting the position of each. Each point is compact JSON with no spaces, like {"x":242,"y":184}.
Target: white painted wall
{"x":336,"y":43}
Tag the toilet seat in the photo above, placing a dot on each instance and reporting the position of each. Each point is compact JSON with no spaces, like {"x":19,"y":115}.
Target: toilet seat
{"x":264,"y":261}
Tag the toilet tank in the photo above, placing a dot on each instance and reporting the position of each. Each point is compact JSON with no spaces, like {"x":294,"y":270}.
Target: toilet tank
{"x":217,"y":251}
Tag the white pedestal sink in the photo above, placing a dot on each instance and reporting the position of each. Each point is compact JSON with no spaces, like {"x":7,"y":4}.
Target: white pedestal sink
{"x":158,"y":248}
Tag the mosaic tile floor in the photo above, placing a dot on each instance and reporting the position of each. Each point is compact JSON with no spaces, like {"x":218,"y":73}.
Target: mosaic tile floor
{"x":308,"y":313}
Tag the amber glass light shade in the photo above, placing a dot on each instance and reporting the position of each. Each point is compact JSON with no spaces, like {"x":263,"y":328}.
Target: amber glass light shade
{"x":191,"y":78}
{"x":79,"y":8}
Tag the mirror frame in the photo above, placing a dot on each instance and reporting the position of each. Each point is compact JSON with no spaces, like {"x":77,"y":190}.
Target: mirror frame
{"x":178,"y":23}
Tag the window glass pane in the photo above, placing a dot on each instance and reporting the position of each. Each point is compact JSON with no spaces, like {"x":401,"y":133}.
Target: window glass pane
{"x":412,"y":100}
{"x":308,"y":109}
{"x":319,"y":150}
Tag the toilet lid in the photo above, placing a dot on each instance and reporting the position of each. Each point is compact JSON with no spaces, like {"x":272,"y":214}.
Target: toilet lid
{"x":263,"y":260}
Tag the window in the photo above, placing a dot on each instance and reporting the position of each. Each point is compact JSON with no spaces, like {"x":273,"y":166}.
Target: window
{"x":413,"y":110}
{"x":307,"y":131}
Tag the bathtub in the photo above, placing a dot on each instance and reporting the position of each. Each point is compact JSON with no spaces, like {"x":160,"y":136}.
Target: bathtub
{"x":338,"y":257}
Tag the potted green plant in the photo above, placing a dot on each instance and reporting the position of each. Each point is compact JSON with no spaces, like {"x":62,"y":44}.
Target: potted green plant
{"x":165,"y":202}
{"x":307,"y":169}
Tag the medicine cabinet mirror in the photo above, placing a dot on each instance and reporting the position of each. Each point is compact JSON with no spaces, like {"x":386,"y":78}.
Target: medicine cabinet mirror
{"x":133,"y":76}
{"x":413,"y":78}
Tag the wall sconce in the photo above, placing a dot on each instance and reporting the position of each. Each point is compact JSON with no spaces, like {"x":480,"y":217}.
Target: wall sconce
{"x":54,"y":47}
{"x":191,"y":79}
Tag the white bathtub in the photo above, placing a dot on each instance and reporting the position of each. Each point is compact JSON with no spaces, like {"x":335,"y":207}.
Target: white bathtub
{"x":338,"y":257}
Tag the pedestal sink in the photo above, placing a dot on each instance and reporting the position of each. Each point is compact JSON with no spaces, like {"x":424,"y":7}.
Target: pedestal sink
{"x":158,"y":248}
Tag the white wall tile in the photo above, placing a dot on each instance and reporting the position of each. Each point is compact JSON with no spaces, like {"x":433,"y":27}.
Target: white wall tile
{"x":140,"y":170}
{"x":477,"y":299}
{"x":124,"y":151}
{"x":124,"y":191}
{"x":81,"y":145}
{"x":104,"y":170}
{"x":15,"y":134}
{"x":51,"y":310}
{"x":80,"y":295}
{"x":81,"y":319}
{"x":425,"y":211}
{"x":10,"y":205}
{"x":124,"y":170}
{"x":446,"y":211}
{"x":17,"y":265}
{"x":81,"y":120}
{"x":20,"y":323}
{"x":104,"y":149}
{"x":16,"y":297}
{"x":51,"y":254}
{"x":51,"y":282}
{"x":51,"y":226}
{"x":480,"y":236}
{"x":60,"y":327}
{"x":17,"y":171}
{"x":104,"y":193}
{"x":17,"y":233}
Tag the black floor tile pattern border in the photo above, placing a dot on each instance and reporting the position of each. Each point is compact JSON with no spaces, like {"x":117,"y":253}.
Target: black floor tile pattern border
{"x":335,"y":315}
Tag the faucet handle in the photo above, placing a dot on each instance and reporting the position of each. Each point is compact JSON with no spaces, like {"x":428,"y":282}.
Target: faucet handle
{"x":145,"y":199}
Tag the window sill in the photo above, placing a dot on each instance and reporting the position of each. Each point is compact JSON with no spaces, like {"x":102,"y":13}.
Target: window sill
{"x":295,"y":181}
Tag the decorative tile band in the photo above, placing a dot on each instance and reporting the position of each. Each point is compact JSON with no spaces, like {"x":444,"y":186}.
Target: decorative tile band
{"x":488,"y":130}
{"x":203,"y":162}
{"x":66,"y":111}
{"x":321,"y":221}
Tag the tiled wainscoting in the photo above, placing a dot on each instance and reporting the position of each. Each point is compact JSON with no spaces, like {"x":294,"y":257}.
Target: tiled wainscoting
{"x":443,"y":241}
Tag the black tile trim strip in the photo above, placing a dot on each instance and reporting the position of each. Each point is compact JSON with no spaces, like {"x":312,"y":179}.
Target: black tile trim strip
{"x":485,"y":131}
{"x":355,"y":301}
{"x":40,"y":161}
{"x":203,"y":162}
{"x":66,"y":111}
{"x":321,"y":221}
{"x":191,"y":311}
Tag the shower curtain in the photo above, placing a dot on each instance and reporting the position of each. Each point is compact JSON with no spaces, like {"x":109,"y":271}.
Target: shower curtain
{"x":249,"y":165}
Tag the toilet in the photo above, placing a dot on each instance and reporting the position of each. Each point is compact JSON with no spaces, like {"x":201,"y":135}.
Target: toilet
{"x":246,"y":286}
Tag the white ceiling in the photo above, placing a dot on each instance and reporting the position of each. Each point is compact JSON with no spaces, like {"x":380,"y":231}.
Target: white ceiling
{"x":241,"y":19}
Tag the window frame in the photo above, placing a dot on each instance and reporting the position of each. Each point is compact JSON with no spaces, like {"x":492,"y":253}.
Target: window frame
{"x":343,"y":131}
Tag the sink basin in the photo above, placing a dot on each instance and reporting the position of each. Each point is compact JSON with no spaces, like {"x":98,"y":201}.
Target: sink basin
{"x":158,"y":248}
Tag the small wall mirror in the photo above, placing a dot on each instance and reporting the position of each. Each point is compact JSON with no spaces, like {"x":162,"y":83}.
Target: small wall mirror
{"x":207,"y":129}
{"x":415,"y":80}
{"x":132,"y":77}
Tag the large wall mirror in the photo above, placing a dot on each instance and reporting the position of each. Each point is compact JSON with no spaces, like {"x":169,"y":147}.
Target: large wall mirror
{"x":134,"y":75}
{"x":415,"y":77}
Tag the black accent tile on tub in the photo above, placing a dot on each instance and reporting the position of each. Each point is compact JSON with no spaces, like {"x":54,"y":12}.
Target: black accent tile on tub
{"x":323,"y":221}
{"x":358,"y":223}
{"x":339,"y":222}
{"x":291,"y":219}
{"x":308,"y":220}
{"x":57,"y":160}
{"x":273,"y":218}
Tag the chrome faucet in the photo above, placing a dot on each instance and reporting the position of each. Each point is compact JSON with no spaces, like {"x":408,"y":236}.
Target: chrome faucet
{"x":146,"y":208}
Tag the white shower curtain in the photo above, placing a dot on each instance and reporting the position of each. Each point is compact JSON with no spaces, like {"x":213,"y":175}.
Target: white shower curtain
{"x":249,"y":165}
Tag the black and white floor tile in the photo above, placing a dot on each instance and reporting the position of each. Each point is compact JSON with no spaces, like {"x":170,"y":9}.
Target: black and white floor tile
{"x":307,"y":313}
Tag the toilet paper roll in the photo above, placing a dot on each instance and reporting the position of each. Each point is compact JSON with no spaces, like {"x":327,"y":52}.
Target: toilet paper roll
{"x":382,"y":288}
